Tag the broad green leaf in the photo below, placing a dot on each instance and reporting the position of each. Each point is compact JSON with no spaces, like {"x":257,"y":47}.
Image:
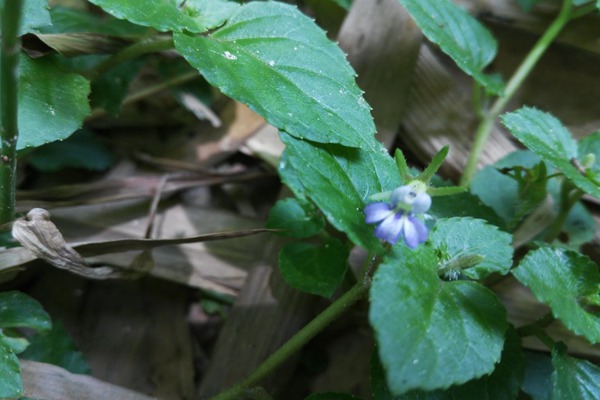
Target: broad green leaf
{"x":459,"y":35}
{"x":340,"y":180}
{"x":289,"y":176}
{"x":332,"y":396}
{"x":17,"y":310}
{"x":574,"y":378}
{"x":569,"y":283}
{"x":81,"y":150}
{"x":314,"y":269}
{"x":35,"y":15}
{"x":11,"y":385}
{"x":297,"y":218}
{"x":432,"y":334}
{"x":171,"y":15}
{"x":502,"y":384}
{"x":275,"y":59}
{"x":462,"y":205}
{"x":500,"y":192}
{"x":538,"y":371}
{"x":52,"y":103}
{"x":551,"y":141}
{"x":459,"y":237}
{"x":56,"y":347}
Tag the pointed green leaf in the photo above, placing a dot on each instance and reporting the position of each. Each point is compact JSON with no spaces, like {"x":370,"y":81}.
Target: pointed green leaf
{"x":314,"y":269}
{"x":52,"y":103}
{"x":277,"y":61}
{"x":171,"y":15}
{"x":35,"y":15}
{"x":56,"y":347}
{"x":502,"y":384}
{"x":340,"y":180}
{"x":459,"y":237}
{"x":296,"y":218}
{"x":545,"y":135}
{"x":459,"y":35}
{"x":17,"y":310}
{"x":461,"y":205}
{"x":569,"y":283}
{"x":11,"y":386}
{"x":589,"y":146}
{"x":432,"y":334}
{"x":574,"y":378}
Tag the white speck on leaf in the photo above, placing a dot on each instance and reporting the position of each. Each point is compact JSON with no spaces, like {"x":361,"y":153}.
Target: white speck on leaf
{"x":229,"y":56}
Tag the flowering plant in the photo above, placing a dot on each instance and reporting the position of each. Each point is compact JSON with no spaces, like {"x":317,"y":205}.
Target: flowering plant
{"x":430,"y":252}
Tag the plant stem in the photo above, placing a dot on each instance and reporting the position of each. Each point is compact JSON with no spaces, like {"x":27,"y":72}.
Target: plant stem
{"x":569,"y":195}
{"x":487,"y":123}
{"x":152,"y":45}
{"x":9,"y":130}
{"x":315,"y":326}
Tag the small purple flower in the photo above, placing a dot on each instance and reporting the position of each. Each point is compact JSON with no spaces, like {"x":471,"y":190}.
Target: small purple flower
{"x":397,"y":217}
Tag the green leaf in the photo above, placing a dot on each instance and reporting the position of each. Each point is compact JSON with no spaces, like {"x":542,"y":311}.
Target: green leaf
{"x":56,"y":347}
{"x":169,"y":15}
{"x":340,"y":180}
{"x":297,"y":218}
{"x":314,"y":269}
{"x":568,"y":282}
{"x":432,"y":334}
{"x":289,"y":176}
{"x":15,"y":343}
{"x":11,"y":385}
{"x":574,"y":378}
{"x":538,"y":371}
{"x":81,"y":150}
{"x":275,"y":59}
{"x":52,"y":103}
{"x":499,"y":190}
{"x":459,"y":35}
{"x":462,"y":205}
{"x":35,"y":15}
{"x":502,"y":384}
{"x":17,"y":310}
{"x":459,"y":237}
{"x":548,"y":138}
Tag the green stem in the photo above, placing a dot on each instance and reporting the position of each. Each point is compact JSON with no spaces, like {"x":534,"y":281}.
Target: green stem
{"x":356,"y":293}
{"x":487,"y":123}
{"x":152,"y":45}
{"x":9,"y":130}
{"x":569,"y":195}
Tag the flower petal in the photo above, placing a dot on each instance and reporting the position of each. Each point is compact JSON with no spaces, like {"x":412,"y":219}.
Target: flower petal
{"x":415,"y":232}
{"x":421,"y":203}
{"x":390,"y":229}
{"x":376,"y":212}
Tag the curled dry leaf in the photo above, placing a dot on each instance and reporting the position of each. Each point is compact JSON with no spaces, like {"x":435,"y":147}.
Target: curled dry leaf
{"x":40,"y":236}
